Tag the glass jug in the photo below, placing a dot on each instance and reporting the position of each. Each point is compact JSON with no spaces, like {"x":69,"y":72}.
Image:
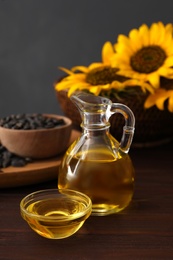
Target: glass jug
{"x":96,"y":163}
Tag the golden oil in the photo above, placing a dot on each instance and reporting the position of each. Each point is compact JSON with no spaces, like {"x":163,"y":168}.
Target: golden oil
{"x":54,"y":218}
{"x":107,"y":179}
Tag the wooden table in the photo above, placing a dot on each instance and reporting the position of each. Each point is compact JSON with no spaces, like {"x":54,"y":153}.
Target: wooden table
{"x":143,"y":231}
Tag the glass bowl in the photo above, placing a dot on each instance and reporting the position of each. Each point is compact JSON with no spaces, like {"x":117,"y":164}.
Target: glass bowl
{"x":54,"y":213}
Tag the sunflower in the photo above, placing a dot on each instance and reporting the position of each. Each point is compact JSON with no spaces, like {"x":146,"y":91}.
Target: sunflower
{"x":146,"y":54}
{"x":97,"y":77}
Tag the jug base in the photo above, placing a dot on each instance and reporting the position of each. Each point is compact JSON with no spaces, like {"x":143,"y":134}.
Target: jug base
{"x":105,"y":209}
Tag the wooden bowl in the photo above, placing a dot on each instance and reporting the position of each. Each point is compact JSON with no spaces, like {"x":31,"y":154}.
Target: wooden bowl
{"x":38,"y":143}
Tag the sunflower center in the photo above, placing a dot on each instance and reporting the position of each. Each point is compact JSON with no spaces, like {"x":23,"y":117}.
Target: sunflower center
{"x":148,"y":59}
{"x":103,"y":75}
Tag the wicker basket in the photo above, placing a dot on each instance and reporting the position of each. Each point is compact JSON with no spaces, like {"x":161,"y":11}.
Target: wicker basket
{"x":153,"y":127}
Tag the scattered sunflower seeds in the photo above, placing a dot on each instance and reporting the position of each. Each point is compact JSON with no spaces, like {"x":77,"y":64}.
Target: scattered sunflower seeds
{"x":10,"y":159}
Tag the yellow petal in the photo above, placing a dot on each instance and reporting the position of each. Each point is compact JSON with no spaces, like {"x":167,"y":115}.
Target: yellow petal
{"x":158,"y":99}
{"x":66,"y":70}
{"x":160,"y":102}
{"x":169,"y":28}
{"x":135,"y":40}
{"x":155,"y":31}
{"x":123,"y":39}
{"x":139,"y":83}
{"x":169,"y":62}
{"x":160,"y":38}
{"x":116,"y":85}
{"x":144,"y":35}
{"x":63,"y":85}
{"x":154,"y":79}
{"x":170,"y":102}
{"x":166,"y":72}
{"x":77,"y":86}
{"x":96,"y":65}
{"x":107,"y":52}
{"x":149,"y":102}
{"x":77,"y":77}
{"x":95,"y":90}
{"x":119,"y":60}
{"x":80,"y":68}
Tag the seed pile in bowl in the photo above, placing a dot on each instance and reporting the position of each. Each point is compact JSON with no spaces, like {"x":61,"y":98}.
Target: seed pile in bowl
{"x":24,"y":122}
{"x":30,"y":121}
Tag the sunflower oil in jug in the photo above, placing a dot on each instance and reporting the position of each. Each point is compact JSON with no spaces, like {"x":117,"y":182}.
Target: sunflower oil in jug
{"x":96,"y":163}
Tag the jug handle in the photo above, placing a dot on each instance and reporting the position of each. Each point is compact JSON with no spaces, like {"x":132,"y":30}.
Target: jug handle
{"x":129,"y":127}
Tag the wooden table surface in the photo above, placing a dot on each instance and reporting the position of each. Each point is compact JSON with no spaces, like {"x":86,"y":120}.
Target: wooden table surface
{"x":143,"y":231}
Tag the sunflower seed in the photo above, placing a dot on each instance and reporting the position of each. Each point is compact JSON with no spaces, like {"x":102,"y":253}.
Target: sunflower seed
{"x":30,"y":121}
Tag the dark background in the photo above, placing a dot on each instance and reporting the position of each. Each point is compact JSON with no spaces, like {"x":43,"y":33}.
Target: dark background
{"x":37,"y":36}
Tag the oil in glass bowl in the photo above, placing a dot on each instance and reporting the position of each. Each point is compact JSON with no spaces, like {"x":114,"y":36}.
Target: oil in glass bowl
{"x":54,"y":213}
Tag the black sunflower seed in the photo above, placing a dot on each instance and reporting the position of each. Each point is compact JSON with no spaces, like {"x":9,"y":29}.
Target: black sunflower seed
{"x":30,"y":121}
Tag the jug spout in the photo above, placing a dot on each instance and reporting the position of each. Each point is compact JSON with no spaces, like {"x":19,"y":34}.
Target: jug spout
{"x":94,"y":110}
{"x":89,"y":102}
